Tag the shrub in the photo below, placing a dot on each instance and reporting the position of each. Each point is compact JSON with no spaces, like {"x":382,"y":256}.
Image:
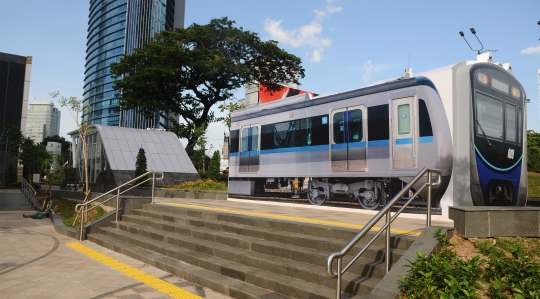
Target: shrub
{"x":202,"y":184}
{"x":442,"y":275}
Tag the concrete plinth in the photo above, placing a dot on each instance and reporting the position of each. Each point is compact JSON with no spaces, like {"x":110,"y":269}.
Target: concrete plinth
{"x":485,"y":222}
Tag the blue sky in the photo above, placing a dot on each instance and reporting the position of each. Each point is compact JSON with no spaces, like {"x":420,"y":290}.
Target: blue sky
{"x":343,"y":43}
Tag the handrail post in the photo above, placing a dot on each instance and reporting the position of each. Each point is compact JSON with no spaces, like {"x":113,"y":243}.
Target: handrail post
{"x":117,"y":204}
{"x":153,"y":185}
{"x":338,"y":288}
{"x":82,"y":222}
{"x":428,"y":221}
{"x":387,"y":243}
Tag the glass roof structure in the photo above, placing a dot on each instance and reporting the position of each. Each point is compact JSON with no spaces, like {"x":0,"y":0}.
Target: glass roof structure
{"x":115,"y":149}
{"x":164,"y":151}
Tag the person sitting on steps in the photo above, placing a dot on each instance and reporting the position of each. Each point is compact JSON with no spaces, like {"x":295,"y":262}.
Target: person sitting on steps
{"x":48,"y":206}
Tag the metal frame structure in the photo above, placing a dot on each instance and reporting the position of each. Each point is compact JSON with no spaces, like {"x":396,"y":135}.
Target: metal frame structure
{"x":29,"y":193}
{"x":83,"y":209}
{"x":386,"y":211}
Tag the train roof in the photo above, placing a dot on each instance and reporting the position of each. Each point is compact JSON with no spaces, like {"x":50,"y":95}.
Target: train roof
{"x":304,"y":100}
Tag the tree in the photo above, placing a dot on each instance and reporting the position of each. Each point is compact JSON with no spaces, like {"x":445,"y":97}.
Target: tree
{"x":65,"y":145}
{"x":33,"y":156}
{"x":75,"y":106}
{"x":213,"y":168}
{"x":141,"y":167}
{"x":533,"y":152}
{"x":188,"y":71}
{"x":11,"y":175}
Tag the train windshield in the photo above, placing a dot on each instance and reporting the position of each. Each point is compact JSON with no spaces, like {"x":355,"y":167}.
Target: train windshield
{"x":489,"y":116}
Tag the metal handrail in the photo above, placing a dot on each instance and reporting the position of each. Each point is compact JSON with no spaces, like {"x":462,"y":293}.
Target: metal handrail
{"x":28,"y":192}
{"x":386,"y":211}
{"x":82,"y":208}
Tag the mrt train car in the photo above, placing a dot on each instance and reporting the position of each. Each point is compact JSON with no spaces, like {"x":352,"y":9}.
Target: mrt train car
{"x":467,"y":120}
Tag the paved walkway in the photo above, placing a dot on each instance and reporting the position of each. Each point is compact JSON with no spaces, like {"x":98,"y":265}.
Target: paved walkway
{"x":36,"y":262}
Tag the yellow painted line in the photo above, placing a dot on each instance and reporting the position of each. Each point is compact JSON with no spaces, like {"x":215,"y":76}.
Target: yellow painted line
{"x":291,"y":218}
{"x":150,"y":280}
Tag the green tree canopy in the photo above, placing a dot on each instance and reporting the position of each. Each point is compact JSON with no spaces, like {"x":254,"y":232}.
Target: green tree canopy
{"x":141,"y":166}
{"x":33,"y":156}
{"x":533,"y":152}
{"x":61,"y":140}
{"x":187,"y":71}
{"x":213,"y":168}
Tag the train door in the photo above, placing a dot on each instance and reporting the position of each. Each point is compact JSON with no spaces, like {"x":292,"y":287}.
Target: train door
{"x":348,"y":152}
{"x":403,"y":133}
{"x":249,"y":149}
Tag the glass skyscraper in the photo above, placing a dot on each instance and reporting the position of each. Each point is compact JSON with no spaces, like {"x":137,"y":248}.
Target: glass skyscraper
{"x":116,"y":27}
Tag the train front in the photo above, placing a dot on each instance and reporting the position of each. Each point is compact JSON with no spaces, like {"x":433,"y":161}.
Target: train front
{"x":498,"y":152}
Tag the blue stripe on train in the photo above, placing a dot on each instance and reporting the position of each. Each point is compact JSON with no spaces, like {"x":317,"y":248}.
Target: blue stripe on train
{"x":386,"y":142}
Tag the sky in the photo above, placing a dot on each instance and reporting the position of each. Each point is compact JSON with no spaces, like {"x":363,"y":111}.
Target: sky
{"x":343,"y":44}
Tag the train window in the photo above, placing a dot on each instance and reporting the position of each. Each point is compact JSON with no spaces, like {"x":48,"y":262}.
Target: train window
{"x":356,"y":131}
{"x":520,"y":125}
{"x":245,"y":139}
{"x":254,"y":139}
{"x":319,"y":124}
{"x":339,"y":127}
{"x":489,"y":116}
{"x":267,"y":137}
{"x":234,"y":141}
{"x":510,"y":131}
{"x":378,"y":124}
{"x":404,"y":119}
{"x":293,"y":133}
{"x":424,"y":120}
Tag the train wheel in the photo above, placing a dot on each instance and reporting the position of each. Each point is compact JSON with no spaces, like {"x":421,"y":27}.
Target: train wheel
{"x":369,"y":201}
{"x":315,"y":196}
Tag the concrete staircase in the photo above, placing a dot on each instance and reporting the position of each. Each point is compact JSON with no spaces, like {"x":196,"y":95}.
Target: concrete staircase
{"x":244,"y":256}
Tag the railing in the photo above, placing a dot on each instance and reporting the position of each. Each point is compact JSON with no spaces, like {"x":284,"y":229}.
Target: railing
{"x":29,"y":193}
{"x":83,"y":209}
{"x":386,"y":211}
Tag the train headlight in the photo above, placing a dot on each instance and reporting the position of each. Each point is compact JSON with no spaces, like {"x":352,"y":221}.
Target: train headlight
{"x":482,"y":78}
{"x":515,"y":92}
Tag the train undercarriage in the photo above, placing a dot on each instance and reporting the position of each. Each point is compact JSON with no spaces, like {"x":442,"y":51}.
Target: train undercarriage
{"x":370,"y":193}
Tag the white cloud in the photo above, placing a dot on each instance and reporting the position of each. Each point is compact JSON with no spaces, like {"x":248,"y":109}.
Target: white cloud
{"x":531,"y":50}
{"x":368,"y":68}
{"x":307,"y":35}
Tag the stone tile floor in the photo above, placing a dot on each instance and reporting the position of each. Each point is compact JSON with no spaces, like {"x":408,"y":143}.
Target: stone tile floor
{"x":35,"y":262}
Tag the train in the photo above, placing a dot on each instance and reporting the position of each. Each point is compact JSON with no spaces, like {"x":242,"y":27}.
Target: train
{"x":466,"y":119}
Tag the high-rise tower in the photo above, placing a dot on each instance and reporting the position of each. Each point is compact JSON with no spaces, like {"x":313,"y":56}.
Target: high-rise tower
{"x":116,"y":27}
{"x":43,"y":120}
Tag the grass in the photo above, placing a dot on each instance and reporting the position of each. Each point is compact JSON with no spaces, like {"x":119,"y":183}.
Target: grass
{"x":534,"y":184}
{"x":203,"y":184}
{"x":66,"y":209}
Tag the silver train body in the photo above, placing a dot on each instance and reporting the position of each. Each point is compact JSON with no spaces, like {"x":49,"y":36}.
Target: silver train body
{"x":366,"y":143}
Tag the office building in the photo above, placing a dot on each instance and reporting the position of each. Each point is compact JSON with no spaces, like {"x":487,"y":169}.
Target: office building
{"x":43,"y":121}
{"x":54,"y":148}
{"x":14,"y":87}
{"x":116,"y":27}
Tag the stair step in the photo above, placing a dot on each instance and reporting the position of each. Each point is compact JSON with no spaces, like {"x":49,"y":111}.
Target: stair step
{"x":219,"y":283}
{"x":298,"y":239}
{"x":288,"y":286}
{"x":371,"y":262}
{"x":248,"y":256}
{"x":194,"y":252}
{"x":280,"y":225}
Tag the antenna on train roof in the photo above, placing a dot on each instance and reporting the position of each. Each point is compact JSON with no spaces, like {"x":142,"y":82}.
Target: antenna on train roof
{"x":479,"y":51}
